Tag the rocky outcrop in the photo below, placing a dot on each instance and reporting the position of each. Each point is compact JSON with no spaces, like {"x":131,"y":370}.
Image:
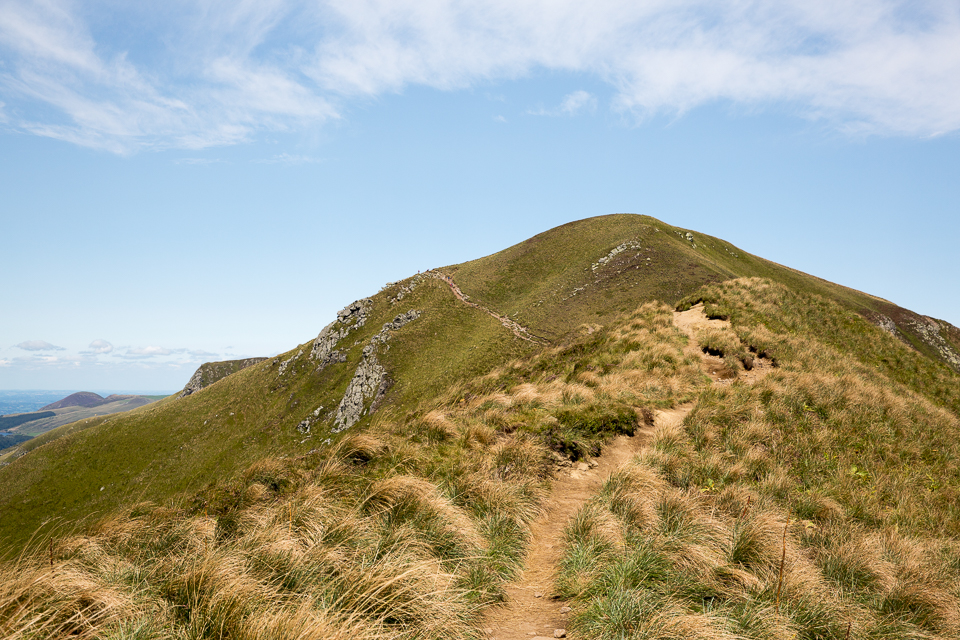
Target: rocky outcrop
{"x":617,"y":250}
{"x":939,"y":337}
{"x":211,"y":372}
{"x":931,"y":331}
{"x":370,"y":382}
{"x":351,"y":318}
{"x":404,"y":289}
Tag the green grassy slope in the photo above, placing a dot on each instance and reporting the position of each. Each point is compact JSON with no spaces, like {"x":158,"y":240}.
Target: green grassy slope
{"x":552,"y":283}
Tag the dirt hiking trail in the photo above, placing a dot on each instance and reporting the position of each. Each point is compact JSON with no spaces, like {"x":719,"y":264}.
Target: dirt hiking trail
{"x":531,"y":612}
{"x":518,"y":330}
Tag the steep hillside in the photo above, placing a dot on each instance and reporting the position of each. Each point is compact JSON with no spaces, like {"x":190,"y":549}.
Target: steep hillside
{"x":758,"y":477}
{"x":671,"y":438}
{"x":412,"y":341}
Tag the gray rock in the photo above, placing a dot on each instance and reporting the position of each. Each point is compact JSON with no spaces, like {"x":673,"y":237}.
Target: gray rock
{"x":370,"y":381}
{"x":349,"y":319}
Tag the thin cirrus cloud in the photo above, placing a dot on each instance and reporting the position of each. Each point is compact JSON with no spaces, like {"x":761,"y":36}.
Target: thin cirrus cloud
{"x":142,"y":353}
{"x":39,"y":345}
{"x":150,"y":352}
{"x":216,"y":73}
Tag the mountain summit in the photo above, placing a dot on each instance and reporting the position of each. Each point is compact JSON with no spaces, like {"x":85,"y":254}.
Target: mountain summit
{"x":738,"y":448}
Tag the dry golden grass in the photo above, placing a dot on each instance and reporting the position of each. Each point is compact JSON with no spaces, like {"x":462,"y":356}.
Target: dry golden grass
{"x":819,"y":502}
{"x":345,"y":544}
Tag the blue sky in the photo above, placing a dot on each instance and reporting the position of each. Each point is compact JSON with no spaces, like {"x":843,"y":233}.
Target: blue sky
{"x":212,"y":180}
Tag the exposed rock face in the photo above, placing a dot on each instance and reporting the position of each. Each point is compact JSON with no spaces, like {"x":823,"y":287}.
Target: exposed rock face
{"x":405,"y":289}
{"x":932,"y":332}
{"x":211,"y":372}
{"x":353,"y":317}
{"x":286,"y":363}
{"x":936,"y":334}
{"x":370,"y":382}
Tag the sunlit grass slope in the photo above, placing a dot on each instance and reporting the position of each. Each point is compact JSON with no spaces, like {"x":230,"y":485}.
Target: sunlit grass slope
{"x":821,"y":501}
{"x":583,"y":273}
{"x":405,"y":528}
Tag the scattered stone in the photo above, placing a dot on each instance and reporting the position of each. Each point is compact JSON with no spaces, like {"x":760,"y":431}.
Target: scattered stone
{"x":565,"y":609}
{"x":538,"y":595}
{"x":583,"y":466}
{"x":559,"y":633}
{"x":620,"y":248}
{"x":286,"y":363}
{"x":593,"y":464}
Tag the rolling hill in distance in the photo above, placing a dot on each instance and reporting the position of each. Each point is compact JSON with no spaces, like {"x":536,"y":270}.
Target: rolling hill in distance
{"x":786,"y":448}
{"x":16,"y":428}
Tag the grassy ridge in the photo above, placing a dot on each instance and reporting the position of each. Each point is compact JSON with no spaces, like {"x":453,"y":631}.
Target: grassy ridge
{"x":797,"y":507}
{"x":554,"y":283}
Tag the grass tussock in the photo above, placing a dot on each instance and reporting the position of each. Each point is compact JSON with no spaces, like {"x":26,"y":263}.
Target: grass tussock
{"x":819,"y":502}
{"x":406,"y":529}
{"x":351,"y":543}
{"x":575,"y":396}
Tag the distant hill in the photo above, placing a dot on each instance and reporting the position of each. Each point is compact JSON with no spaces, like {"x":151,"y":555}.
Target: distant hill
{"x":77,"y":406}
{"x":79,"y":399}
{"x":8,"y":440}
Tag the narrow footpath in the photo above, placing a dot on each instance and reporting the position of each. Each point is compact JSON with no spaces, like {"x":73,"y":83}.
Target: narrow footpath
{"x":518,"y":330}
{"x":531,"y":612}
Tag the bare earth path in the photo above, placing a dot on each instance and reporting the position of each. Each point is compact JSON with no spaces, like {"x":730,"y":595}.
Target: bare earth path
{"x":530,"y":613}
{"x":518,"y":330}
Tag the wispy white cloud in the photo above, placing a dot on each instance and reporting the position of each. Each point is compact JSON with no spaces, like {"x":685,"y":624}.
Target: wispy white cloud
{"x":39,"y":345}
{"x":571,"y":105}
{"x":150,"y":352}
{"x":576,"y":102}
{"x":99,"y":347}
{"x":143,"y":353}
{"x":215,"y":73}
